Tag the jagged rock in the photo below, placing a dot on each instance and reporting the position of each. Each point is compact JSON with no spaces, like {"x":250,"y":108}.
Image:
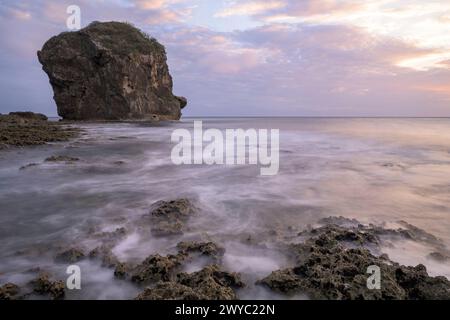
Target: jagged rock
{"x":43,"y":285}
{"x":122,"y":270}
{"x":169,"y":291}
{"x":169,"y":217}
{"x":109,"y":71}
{"x":9,"y":291}
{"x":71,"y":255}
{"x":157,"y":268}
{"x":31,"y":129}
{"x":205,"y":248}
{"x":212,"y":283}
{"x":341,"y":234}
{"x":326,"y":269}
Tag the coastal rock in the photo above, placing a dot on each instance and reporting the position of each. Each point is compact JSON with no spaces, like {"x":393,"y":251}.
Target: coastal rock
{"x":169,"y":291}
{"x":61,"y":159}
{"x":157,"y":268}
{"x":26,"y":128}
{"x":44,"y":286}
{"x":212,"y":283}
{"x":204,"y":248}
{"x":110,"y":71}
{"x":326,"y":269}
{"x":106,"y":256}
{"x":9,"y":291}
{"x":71,"y":255}
{"x":169,"y":217}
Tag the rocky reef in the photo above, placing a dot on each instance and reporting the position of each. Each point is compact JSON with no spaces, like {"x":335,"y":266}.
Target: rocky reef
{"x":110,"y":71}
{"x":332,"y":263}
{"x":329,"y":260}
{"x":28,"y":128}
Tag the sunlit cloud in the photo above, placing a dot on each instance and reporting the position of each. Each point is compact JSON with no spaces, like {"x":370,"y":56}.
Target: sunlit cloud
{"x":424,"y":24}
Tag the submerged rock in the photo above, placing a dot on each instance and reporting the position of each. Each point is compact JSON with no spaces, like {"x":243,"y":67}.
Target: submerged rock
{"x":439,"y":256}
{"x":210,"y":249}
{"x":9,"y":291}
{"x":110,"y":71}
{"x":212,"y":283}
{"x":61,"y":159}
{"x":157,"y":268}
{"x":44,"y":286}
{"x":71,"y":255}
{"x":169,"y":217}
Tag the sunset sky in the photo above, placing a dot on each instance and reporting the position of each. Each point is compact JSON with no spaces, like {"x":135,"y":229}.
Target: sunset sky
{"x":259,"y":57}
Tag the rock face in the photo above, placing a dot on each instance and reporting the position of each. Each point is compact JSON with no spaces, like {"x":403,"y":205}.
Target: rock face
{"x":110,"y":71}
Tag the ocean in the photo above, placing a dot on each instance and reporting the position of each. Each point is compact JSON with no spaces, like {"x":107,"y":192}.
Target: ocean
{"x":376,"y":170}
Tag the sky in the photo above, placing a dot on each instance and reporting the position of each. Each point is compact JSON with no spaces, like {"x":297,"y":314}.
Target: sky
{"x":259,"y":57}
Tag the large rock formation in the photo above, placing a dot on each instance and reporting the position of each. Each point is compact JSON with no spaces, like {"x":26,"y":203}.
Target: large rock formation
{"x":109,"y":71}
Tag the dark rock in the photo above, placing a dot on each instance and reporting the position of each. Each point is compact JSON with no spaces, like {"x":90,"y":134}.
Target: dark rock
{"x":212,"y":283}
{"x":25,"y":131}
{"x":439,"y":256}
{"x":169,"y":217}
{"x":61,"y":159}
{"x":170,"y":291}
{"x":157,"y":268}
{"x":71,"y":255}
{"x":122,"y":270}
{"x":28,"y":166}
{"x":343,"y":234}
{"x":109,"y":71}
{"x":9,"y":291}
{"x":326,"y":269}
{"x":29,"y":115}
{"x":44,"y":286}
{"x":205,"y":248}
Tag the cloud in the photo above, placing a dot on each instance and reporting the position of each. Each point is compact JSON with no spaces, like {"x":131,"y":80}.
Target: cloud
{"x":424,"y":24}
{"x":250,"y":8}
{"x":329,"y":58}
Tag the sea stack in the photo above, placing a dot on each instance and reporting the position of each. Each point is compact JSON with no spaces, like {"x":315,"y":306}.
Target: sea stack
{"x":110,"y":71}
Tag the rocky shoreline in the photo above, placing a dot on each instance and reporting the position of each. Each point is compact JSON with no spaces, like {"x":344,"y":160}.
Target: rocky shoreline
{"x":329,"y":261}
{"x":27,"y":128}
